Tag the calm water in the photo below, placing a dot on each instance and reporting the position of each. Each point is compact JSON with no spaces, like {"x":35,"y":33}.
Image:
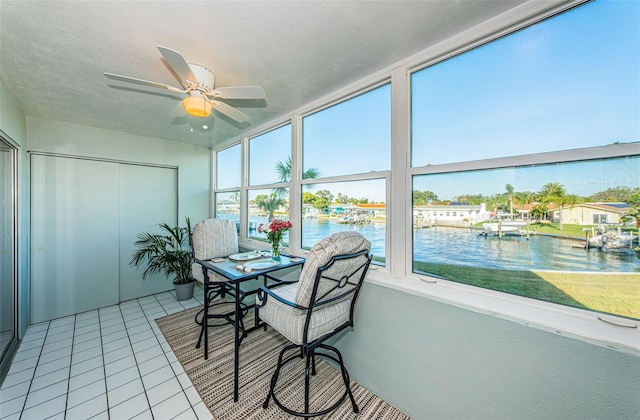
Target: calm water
{"x":466,"y":247}
{"x":516,"y":252}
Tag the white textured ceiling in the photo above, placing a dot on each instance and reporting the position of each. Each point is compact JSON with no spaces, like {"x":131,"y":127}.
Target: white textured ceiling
{"x":53,"y":54}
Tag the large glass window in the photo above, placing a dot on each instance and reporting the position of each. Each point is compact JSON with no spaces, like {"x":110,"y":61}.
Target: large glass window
{"x":351,"y":143}
{"x":564,"y":230}
{"x":566,"y":83}
{"x":351,"y":137}
{"x":265,"y":205}
{"x":228,"y":206}
{"x":328,"y":208}
{"x":228,"y":168}
{"x":270,"y":157}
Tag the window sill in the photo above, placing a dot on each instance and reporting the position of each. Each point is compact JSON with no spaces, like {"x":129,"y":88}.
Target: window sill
{"x":592,"y":327}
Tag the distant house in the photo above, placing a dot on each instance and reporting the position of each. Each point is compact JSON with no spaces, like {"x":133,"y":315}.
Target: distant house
{"x":453,"y":215}
{"x":524,"y":210}
{"x":378,"y":210}
{"x":592,"y":213}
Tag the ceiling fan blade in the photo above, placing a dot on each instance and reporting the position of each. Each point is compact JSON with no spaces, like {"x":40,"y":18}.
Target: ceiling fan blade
{"x":230,"y":111}
{"x":142,"y":82}
{"x":239,"y":92}
{"x":180,"y":66}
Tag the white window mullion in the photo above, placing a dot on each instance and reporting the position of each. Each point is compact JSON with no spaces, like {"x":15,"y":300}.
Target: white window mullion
{"x":244,"y":200}
{"x":295,"y":188}
{"x":399,"y":194}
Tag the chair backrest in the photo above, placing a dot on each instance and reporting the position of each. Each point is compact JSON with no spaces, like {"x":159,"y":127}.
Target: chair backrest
{"x":334,"y":269}
{"x":214,"y":238}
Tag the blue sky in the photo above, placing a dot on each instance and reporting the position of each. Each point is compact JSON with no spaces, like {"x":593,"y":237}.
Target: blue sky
{"x":569,"y":82}
{"x":566,"y":83}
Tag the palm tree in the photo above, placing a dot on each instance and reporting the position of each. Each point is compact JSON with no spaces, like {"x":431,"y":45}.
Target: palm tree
{"x":284,"y":175}
{"x":554,"y":192}
{"x":538,"y":211}
{"x":634,"y":209}
{"x":509,"y":189}
{"x":270,"y":204}
{"x":525,"y":197}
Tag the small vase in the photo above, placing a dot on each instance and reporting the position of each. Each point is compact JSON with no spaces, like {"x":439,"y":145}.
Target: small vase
{"x":275,"y":250}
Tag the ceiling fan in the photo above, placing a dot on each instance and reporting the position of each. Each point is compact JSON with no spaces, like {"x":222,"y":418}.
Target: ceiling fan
{"x":199,"y":83}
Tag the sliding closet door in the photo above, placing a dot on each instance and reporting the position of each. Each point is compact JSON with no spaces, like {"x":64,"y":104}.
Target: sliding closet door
{"x":74,"y":237}
{"x":148,"y":196}
{"x":86,"y":215}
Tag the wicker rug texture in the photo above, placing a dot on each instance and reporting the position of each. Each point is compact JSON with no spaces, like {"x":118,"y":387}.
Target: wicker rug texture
{"x":213,"y":378}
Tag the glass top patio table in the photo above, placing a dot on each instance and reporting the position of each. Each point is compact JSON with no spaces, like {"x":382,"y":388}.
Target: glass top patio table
{"x":230,"y":270}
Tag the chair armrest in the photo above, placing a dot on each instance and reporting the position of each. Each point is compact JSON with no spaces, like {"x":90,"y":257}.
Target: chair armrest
{"x":266,"y":291}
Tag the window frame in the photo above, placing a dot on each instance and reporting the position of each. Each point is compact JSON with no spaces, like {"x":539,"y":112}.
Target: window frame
{"x":603,"y":330}
{"x":367,"y":86}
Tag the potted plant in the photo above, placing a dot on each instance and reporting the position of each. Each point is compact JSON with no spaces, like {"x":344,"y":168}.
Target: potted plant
{"x":168,"y":252}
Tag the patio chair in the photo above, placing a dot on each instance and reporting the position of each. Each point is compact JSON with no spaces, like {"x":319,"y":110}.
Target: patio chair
{"x":213,"y":238}
{"x":316,"y":307}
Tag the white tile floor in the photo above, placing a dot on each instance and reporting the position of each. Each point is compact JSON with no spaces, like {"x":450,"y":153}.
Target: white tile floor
{"x":111,"y":363}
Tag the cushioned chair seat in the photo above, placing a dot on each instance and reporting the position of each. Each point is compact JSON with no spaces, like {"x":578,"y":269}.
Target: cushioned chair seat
{"x":290,"y":321}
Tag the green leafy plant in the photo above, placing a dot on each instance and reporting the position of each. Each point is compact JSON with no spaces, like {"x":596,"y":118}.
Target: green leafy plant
{"x":168,"y":252}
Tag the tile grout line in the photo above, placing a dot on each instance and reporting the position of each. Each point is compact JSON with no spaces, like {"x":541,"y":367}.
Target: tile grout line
{"x":24,"y":404}
{"x":170,"y":365}
{"x":73,"y":338}
{"x":134,"y":355}
{"x":104,"y":365}
{"x":151,"y":309}
{"x":183,"y":389}
{"x":126,"y":330}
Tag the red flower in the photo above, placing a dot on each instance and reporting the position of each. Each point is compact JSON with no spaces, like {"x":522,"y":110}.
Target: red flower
{"x":275,"y":230}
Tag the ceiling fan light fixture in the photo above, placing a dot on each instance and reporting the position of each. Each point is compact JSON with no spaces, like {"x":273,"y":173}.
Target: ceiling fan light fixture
{"x":197,"y":106}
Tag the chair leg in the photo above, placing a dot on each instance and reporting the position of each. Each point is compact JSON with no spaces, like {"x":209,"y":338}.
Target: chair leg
{"x":276,"y":374}
{"x":210,"y":296}
{"x":307,"y":373}
{"x":202,"y":326}
{"x":204,"y":312}
{"x":347,"y":381}
{"x":204,"y":331}
{"x":310,"y":366}
{"x":313,"y":363}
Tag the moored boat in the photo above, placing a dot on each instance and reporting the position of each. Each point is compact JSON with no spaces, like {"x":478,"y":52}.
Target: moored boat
{"x":503,"y":228}
{"x":610,"y":241}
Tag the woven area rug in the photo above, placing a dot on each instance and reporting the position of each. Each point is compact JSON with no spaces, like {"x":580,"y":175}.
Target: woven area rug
{"x":213,"y":378}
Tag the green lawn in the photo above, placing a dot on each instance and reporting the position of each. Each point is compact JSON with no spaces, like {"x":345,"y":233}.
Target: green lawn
{"x":568,"y":230}
{"x":614,"y":293}
{"x":574,"y":231}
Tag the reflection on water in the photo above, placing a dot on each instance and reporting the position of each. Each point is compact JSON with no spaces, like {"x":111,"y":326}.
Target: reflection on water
{"x":465,"y":247}
{"x":314,"y":230}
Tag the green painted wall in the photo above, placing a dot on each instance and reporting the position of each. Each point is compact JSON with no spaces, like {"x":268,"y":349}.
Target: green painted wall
{"x":438,"y":361}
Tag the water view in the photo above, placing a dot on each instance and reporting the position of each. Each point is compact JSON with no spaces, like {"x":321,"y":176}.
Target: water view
{"x":540,"y":252}
{"x":464,"y":246}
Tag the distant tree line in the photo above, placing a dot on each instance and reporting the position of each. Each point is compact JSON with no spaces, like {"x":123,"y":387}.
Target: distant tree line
{"x":550,"y":193}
